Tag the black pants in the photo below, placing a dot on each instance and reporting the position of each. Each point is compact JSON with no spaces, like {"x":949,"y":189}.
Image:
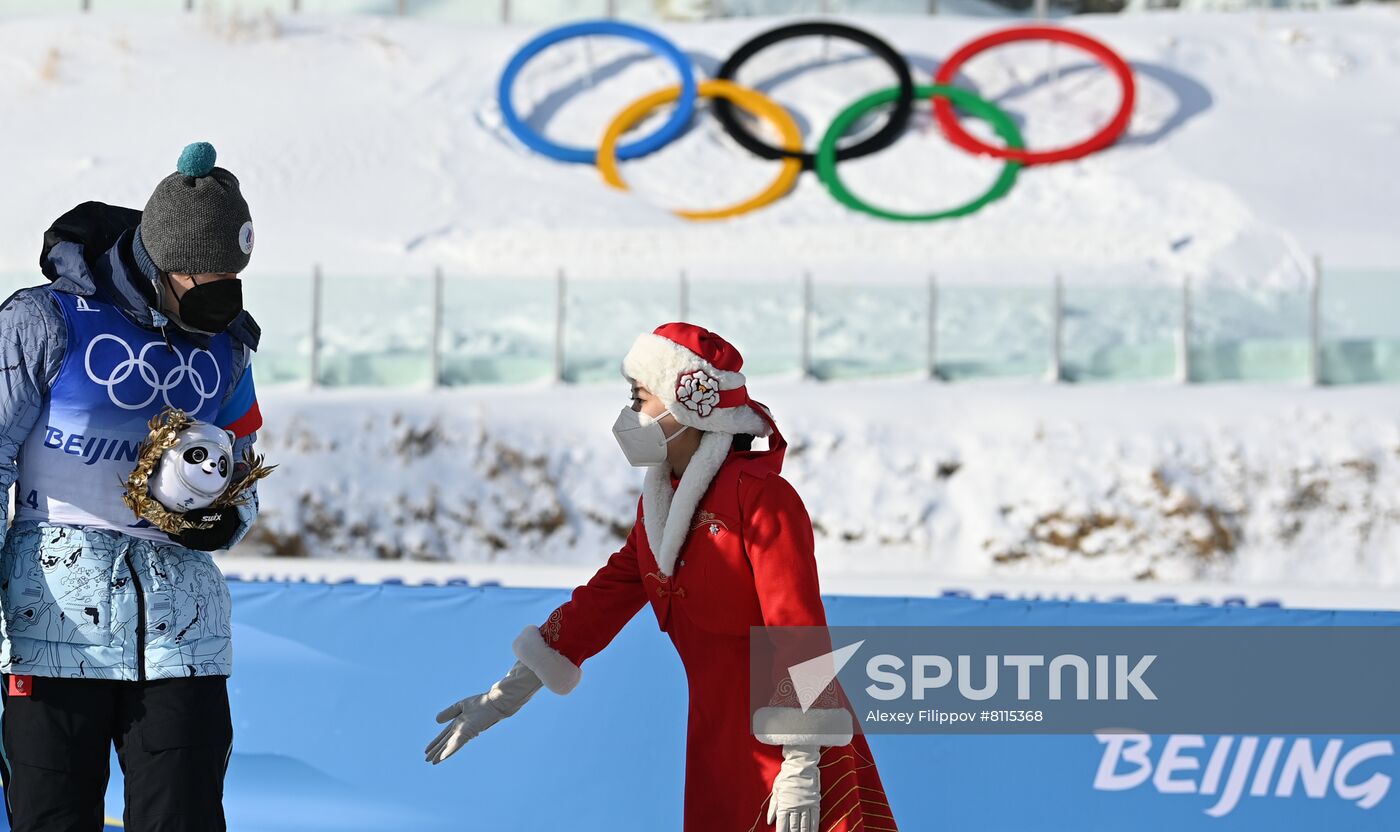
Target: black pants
{"x":173,"y":739}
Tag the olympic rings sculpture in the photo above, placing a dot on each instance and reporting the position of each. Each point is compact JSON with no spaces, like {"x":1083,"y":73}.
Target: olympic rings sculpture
{"x":883,"y":138}
{"x":668,"y":131}
{"x":751,"y":100}
{"x":728,"y":95}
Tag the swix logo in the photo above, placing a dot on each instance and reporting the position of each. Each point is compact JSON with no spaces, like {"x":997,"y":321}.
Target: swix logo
{"x":1261,"y":767}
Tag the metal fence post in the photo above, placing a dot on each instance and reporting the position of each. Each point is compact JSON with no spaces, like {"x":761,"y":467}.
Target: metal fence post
{"x":931,"y":343}
{"x":933,"y":6}
{"x":436,"y":346}
{"x":401,"y":7}
{"x":807,"y":325}
{"x":505,"y":11}
{"x":315,"y":368}
{"x":1315,"y":323}
{"x":612,"y":8}
{"x":1183,"y":334}
{"x":1057,"y":326}
{"x":683,"y":299}
{"x":559,"y":301}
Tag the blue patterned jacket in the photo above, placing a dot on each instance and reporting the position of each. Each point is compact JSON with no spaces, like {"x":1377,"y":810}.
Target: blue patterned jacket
{"x":88,"y":602}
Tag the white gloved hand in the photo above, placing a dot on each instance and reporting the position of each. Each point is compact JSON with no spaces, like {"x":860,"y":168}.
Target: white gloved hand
{"x":795,"y":804}
{"x":475,"y":714}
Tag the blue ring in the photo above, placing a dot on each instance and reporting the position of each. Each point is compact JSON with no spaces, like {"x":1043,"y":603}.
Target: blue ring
{"x":685,"y":106}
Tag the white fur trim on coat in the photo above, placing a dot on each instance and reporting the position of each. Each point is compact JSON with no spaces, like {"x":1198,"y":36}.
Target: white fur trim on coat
{"x":794,"y":726}
{"x":666,"y":515}
{"x":656,"y":363}
{"x":558,"y":673}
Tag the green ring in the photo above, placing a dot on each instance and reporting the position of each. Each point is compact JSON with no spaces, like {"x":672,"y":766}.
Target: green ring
{"x":972,"y":104}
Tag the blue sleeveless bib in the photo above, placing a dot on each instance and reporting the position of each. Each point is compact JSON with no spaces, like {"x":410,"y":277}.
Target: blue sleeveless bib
{"x":115,"y":376}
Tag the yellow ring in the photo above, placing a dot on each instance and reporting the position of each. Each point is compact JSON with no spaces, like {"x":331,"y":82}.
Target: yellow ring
{"x":749,"y":100}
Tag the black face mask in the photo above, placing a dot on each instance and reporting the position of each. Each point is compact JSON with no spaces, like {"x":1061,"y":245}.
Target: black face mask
{"x":212,"y":306}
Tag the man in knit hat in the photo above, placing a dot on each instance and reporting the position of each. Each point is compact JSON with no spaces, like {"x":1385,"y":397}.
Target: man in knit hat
{"x":113,"y":631}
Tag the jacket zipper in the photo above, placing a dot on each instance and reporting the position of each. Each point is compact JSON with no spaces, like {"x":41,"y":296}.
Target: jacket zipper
{"x":140,"y":619}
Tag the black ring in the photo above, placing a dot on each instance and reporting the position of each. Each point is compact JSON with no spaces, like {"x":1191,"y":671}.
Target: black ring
{"x":883,"y":138}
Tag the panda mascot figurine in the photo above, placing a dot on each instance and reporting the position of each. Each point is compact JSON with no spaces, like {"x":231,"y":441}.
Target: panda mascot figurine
{"x":196,"y":471}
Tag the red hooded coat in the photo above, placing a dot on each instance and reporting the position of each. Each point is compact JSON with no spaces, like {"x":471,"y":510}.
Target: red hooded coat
{"x":747,"y":560}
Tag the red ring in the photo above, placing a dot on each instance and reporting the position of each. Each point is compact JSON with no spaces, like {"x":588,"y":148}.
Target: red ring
{"x":953,"y":129}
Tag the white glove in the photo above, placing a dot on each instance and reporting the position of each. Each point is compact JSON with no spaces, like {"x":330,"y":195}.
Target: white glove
{"x":475,"y":714}
{"x":795,"y":804}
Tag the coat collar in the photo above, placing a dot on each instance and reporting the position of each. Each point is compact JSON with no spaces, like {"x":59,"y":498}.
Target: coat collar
{"x":667,"y":512}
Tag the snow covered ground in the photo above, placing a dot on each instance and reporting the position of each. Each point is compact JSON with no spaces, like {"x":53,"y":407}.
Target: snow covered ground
{"x":1261,"y":484}
{"x":374,"y":146}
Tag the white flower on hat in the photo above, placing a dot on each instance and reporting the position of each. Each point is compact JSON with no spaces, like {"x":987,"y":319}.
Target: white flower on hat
{"x":688,"y":365}
{"x":698,"y":391}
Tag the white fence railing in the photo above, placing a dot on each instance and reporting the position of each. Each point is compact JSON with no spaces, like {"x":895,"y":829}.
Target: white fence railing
{"x":445,"y":329}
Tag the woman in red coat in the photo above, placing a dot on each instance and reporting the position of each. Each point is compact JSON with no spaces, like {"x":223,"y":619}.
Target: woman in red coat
{"x":721,"y":543}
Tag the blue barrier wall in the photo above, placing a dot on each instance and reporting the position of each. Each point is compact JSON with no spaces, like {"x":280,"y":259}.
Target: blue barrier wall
{"x":335,"y":688}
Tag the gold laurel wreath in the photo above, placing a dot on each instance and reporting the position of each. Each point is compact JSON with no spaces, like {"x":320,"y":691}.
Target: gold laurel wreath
{"x":166,"y":428}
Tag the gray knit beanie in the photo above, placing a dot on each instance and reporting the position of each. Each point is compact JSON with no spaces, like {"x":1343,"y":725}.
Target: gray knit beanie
{"x":196,"y":222}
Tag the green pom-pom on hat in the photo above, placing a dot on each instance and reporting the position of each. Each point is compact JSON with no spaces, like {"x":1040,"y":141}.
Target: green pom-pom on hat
{"x":196,"y":159}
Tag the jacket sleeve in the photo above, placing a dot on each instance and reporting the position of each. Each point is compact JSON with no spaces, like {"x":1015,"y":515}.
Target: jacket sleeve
{"x":779,"y":543}
{"x":239,"y":413}
{"x":582,"y":626}
{"x":32,"y":342}
{"x":778,"y":540}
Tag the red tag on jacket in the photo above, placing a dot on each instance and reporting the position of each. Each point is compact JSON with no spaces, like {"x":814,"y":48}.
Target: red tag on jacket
{"x":21,"y":685}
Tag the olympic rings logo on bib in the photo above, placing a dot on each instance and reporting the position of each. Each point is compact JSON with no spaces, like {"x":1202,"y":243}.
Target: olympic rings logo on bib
{"x":729,"y":95}
{"x":133,"y":382}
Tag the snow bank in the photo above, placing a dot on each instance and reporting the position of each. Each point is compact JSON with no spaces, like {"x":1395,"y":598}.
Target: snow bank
{"x":1259,"y":484}
{"x":374,"y":146}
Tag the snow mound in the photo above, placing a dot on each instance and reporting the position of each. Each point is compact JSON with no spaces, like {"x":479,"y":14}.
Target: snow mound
{"x":374,"y":145}
{"x":1258,"y":484}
